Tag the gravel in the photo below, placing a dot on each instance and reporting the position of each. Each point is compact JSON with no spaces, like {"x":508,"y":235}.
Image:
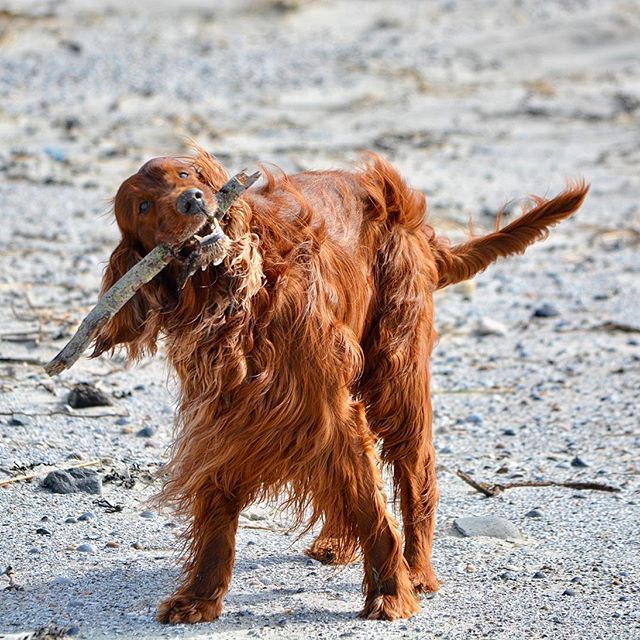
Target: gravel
{"x":477,"y":104}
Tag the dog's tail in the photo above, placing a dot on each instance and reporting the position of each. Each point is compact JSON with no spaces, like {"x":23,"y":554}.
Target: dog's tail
{"x":463,"y":261}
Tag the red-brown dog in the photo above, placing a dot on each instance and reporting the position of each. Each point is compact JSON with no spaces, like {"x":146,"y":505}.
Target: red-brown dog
{"x":307,"y":344}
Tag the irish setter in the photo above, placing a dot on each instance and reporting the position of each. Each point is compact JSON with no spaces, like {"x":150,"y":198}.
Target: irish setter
{"x":305,"y":347}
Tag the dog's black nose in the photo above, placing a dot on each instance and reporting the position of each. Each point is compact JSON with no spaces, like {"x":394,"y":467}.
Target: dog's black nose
{"x":190,"y":202}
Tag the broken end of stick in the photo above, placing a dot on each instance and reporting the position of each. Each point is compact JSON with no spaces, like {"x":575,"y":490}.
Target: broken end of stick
{"x":55,"y":367}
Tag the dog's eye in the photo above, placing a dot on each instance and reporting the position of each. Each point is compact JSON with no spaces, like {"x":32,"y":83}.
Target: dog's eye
{"x":145,"y":205}
{"x":183,"y":174}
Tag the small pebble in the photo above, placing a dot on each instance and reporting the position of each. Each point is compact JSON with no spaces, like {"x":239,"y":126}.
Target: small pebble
{"x":508,"y":432}
{"x":490,"y":327}
{"x":70,"y":521}
{"x":538,"y":575}
{"x":474,"y":418}
{"x":509,"y":575}
{"x":569,"y":592}
{"x":146,"y":432}
{"x":579,"y":462}
{"x":86,"y":548}
{"x":138,"y":546}
{"x":546,"y":311}
{"x":89,"y":515}
{"x":41,"y":531}
{"x":534,"y":513}
{"x":149,"y":515}
{"x":112,"y":545}
{"x":62,"y":580}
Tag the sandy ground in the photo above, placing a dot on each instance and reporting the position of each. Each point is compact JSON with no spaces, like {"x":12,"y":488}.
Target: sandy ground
{"x":477,"y":104}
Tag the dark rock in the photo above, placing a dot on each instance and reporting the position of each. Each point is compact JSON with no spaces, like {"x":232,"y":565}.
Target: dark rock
{"x":487,"y":526}
{"x":546,"y":311}
{"x":86,"y":395}
{"x":146,"y":432}
{"x":579,"y":462}
{"x":538,"y":575}
{"x":509,"y":575}
{"x":534,"y":513}
{"x":474,"y":418}
{"x":73,"y":481}
{"x":508,"y":432}
{"x":569,"y":592}
{"x":41,"y":531}
{"x":86,"y":548}
{"x":70,"y":520}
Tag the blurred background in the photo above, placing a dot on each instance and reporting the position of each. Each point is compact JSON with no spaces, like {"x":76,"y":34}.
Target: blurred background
{"x":478,"y":104}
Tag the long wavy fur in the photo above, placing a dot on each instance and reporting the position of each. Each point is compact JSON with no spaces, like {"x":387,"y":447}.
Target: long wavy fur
{"x":309,"y":344}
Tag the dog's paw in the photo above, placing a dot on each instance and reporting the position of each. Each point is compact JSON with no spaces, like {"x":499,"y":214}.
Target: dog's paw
{"x":390,"y":607}
{"x":424,"y":581}
{"x":188,"y":609}
{"x":330,"y":551}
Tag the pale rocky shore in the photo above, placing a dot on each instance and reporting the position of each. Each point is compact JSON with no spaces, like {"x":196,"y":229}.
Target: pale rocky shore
{"x":537,"y":372}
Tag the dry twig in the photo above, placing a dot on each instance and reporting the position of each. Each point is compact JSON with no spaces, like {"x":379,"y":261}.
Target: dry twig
{"x":490,"y":490}
{"x":144,"y":271}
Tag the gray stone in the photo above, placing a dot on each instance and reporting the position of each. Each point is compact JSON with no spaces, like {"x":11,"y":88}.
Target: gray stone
{"x":534,"y":513}
{"x":73,"y":481}
{"x":489,"y":327}
{"x":86,"y":548}
{"x":146,"y":432}
{"x":89,"y":515}
{"x":149,"y":515}
{"x":569,"y":592}
{"x":579,"y":463}
{"x":546,"y":311}
{"x":509,"y":575}
{"x":487,"y":526}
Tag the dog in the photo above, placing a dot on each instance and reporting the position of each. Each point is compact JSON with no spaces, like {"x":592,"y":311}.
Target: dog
{"x":302,"y":350}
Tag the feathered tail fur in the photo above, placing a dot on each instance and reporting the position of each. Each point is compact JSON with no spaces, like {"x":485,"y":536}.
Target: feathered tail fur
{"x":463,"y":261}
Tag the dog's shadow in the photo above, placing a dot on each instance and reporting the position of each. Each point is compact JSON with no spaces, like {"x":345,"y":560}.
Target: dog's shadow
{"x":121,"y":602}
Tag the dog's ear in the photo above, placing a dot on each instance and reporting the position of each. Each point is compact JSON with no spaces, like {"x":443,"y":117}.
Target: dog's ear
{"x":210,"y":170}
{"x":134,"y":325}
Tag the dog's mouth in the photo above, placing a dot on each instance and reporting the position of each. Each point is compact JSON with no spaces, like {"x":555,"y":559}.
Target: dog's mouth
{"x":208,"y":246}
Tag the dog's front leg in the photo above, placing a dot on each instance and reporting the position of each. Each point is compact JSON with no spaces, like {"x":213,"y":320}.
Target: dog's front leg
{"x":210,"y":562}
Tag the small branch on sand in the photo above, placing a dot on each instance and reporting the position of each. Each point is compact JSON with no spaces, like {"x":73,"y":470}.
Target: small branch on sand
{"x":144,"y":271}
{"x":491,"y":490}
{"x":31,"y":476}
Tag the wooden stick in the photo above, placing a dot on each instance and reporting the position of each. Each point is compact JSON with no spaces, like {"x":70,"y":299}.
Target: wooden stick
{"x":31,"y":476}
{"x":144,"y":271}
{"x":491,"y":490}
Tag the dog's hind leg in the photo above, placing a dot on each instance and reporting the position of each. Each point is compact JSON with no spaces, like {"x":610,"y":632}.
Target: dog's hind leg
{"x":327,"y":548}
{"x":348,"y":485}
{"x":395,"y":391}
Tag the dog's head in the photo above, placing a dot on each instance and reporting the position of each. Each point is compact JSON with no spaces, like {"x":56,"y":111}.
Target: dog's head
{"x":168,"y":201}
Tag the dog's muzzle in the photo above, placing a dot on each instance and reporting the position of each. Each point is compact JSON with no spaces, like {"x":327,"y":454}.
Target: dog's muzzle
{"x":190,"y":202}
